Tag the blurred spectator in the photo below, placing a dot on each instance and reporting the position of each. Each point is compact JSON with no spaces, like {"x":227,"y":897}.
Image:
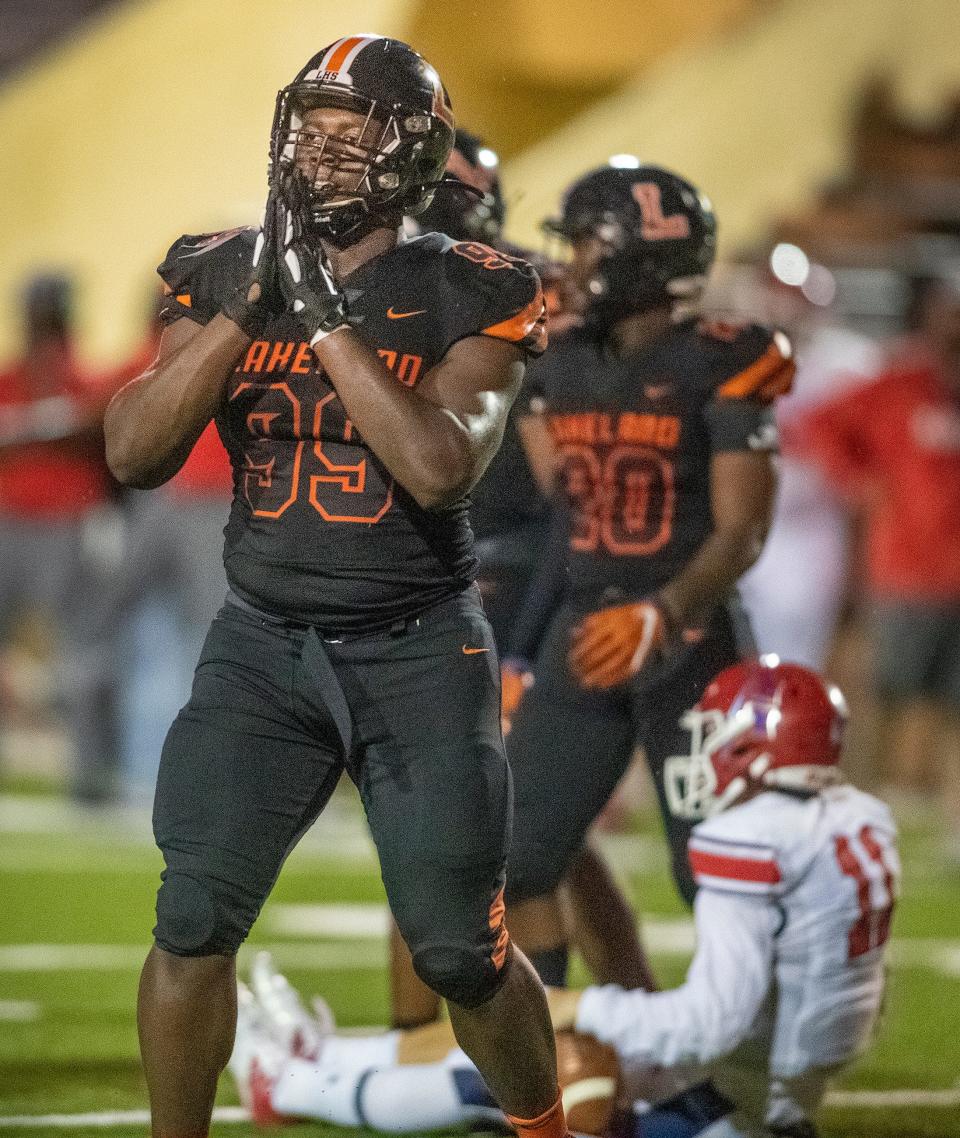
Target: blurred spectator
{"x":794,"y":592}
{"x":59,"y":529}
{"x":892,"y":447}
{"x":173,"y":585}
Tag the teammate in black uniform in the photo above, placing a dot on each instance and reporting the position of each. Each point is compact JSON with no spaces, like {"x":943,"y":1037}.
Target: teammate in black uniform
{"x":509,"y":513}
{"x":508,"y":510}
{"x":360,"y":386}
{"x":510,"y":517}
{"x":663,"y":429}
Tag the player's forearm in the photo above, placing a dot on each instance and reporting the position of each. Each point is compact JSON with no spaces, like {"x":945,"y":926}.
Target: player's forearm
{"x":709,"y":577}
{"x":545,"y":590}
{"x":664,"y":1029}
{"x":428,"y":450}
{"x":152,"y":423}
{"x":716,"y":1006}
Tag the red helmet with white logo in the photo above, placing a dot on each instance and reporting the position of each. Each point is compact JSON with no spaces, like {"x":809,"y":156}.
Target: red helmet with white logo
{"x":760,"y":723}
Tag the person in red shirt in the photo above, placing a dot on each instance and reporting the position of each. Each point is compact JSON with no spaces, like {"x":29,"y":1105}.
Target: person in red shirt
{"x":59,"y":532}
{"x":892,"y":446}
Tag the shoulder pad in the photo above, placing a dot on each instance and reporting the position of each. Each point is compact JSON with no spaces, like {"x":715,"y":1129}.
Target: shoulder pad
{"x":728,"y":852}
{"x":749,"y":361}
{"x":200,"y":270}
{"x":512,"y":305}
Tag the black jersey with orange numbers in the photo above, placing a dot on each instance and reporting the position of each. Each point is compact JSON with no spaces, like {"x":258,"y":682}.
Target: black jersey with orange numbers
{"x":319,"y":531}
{"x":636,"y":435}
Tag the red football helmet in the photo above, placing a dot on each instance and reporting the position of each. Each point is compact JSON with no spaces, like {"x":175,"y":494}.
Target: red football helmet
{"x":760,"y":723}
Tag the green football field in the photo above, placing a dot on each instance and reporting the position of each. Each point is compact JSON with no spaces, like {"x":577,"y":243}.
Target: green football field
{"x":76,"y":897}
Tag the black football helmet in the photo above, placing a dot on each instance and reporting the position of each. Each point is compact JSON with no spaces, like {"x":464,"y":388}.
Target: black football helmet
{"x":659,"y":231}
{"x":399,"y":158}
{"x":469,"y":205}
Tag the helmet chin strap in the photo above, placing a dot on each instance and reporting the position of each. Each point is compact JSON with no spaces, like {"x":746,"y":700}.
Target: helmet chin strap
{"x":808,"y":778}
{"x":722,"y":801}
{"x":621,"y":287}
{"x":615,"y":295}
{"x":342,"y":231}
{"x":347,"y":224}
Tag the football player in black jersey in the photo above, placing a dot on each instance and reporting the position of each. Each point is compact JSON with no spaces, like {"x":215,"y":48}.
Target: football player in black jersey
{"x":509,"y":514}
{"x":360,"y":385}
{"x":508,"y":509}
{"x":663,"y":428}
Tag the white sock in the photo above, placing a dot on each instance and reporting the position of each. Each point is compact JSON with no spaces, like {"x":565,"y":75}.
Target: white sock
{"x":313,"y":1090}
{"x":404,"y":1099}
{"x":361,"y":1050}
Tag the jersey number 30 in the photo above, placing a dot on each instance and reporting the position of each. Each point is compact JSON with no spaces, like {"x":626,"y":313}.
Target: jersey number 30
{"x":622,"y":501}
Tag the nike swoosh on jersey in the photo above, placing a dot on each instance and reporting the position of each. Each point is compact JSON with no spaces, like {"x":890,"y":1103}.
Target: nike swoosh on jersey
{"x":391,"y":315}
{"x":656,"y":390}
{"x":473,"y":651}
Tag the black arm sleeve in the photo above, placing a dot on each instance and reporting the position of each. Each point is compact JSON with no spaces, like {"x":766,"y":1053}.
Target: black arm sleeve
{"x":546,"y":588}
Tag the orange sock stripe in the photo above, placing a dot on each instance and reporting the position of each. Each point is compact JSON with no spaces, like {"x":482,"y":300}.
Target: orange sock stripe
{"x":551,"y":1122}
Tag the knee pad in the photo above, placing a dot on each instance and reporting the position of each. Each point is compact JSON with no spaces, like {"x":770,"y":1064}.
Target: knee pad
{"x":189,"y":921}
{"x":460,"y":973}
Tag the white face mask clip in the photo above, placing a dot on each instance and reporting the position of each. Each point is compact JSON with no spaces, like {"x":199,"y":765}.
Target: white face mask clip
{"x":690,"y":781}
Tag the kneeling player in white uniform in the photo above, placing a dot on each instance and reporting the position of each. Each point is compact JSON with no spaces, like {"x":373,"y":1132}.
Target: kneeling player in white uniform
{"x":797,"y":874}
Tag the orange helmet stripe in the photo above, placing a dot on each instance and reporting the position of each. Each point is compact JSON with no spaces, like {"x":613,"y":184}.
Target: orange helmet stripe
{"x":336,"y":57}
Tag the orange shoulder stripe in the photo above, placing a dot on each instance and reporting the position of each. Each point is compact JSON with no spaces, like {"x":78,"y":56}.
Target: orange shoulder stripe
{"x":757,"y":375}
{"x":781,"y":383}
{"x":529,"y":319}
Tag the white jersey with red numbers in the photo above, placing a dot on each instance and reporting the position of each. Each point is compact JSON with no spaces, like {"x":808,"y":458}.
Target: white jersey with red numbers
{"x":792,"y":913}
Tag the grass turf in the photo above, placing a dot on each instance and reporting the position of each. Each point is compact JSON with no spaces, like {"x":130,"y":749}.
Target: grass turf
{"x":93,"y":883}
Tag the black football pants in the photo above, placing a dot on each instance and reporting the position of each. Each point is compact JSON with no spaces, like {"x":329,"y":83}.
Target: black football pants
{"x":569,"y":748}
{"x":276,"y":714}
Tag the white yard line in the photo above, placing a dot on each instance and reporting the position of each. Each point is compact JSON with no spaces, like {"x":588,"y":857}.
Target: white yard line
{"x":351,"y":936}
{"x":883,"y":1100}
{"x":329,"y":956}
{"x":864,"y":1100}
{"x":19,"y":1011}
{"x":109,"y":1118}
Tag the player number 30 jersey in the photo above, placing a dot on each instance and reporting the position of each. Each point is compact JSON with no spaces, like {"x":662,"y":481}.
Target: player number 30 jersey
{"x":635,"y":437}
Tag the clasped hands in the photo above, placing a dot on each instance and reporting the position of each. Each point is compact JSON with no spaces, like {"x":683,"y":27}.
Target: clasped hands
{"x":288,"y":270}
